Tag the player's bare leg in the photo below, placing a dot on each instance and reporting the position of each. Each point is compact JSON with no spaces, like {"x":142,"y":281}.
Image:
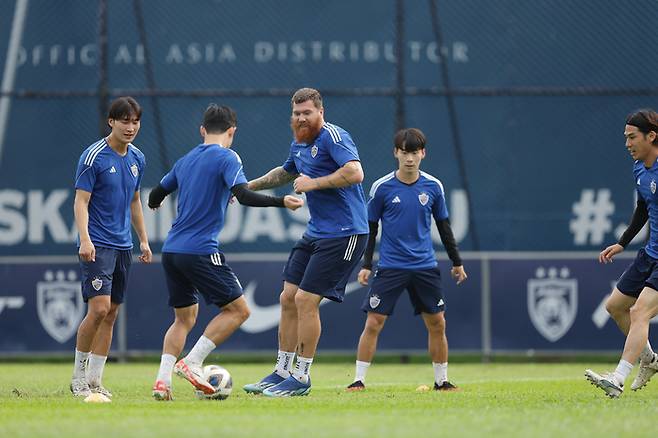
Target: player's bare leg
{"x":618,"y":306}
{"x":366,"y":349}
{"x":174,"y":342}
{"x":437,"y":344}
{"x":100,"y":350}
{"x":97,"y":309}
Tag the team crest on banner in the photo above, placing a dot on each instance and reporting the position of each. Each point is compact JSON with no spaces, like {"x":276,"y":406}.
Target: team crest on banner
{"x":374,"y":301}
{"x":552,"y":302}
{"x":135,"y":170}
{"x":59,"y":304}
{"x":423,"y":198}
{"x":314,"y":151}
{"x":653,"y":186}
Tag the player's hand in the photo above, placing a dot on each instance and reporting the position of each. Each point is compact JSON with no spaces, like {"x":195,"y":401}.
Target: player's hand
{"x":607,"y":254}
{"x":303,"y":184}
{"x":458,"y":273}
{"x":363,"y":276}
{"x":292,"y":202}
{"x":87,"y":251}
{"x":147,"y":255}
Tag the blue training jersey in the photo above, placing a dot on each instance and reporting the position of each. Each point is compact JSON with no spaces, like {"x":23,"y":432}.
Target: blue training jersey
{"x":645,"y":183}
{"x":112,"y":181}
{"x":406,"y":211}
{"x":334,"y":212}
{"x":204,"y":178}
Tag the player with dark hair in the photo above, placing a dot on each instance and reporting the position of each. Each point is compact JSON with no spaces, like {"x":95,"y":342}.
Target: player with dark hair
{"x":405,"y":202}
{"x":106,"y":203}
{"x":634,"y":300}
{"x":206,"y":178}
{"x":324,"y":164}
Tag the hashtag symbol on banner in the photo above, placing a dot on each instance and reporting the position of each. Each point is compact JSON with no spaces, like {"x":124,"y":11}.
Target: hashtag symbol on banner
{"x":592,"y":212}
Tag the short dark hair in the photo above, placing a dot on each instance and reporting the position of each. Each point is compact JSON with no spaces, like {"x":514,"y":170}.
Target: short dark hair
{"x":218,"y":119}
{"x":124,"y":107}
{"x":304,"y":94}
{"x":409,"y":139}
{"x":645,"y":120}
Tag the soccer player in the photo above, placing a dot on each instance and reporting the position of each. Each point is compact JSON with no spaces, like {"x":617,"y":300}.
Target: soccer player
{"x":206,"y":178}
{"x":634,"y":301}
{"x":324,"y":164}
{"x":106,"y":203}
{"x":405,"y":201}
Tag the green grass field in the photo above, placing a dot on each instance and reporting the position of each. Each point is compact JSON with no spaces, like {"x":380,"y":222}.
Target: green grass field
{"x":496,"y":400}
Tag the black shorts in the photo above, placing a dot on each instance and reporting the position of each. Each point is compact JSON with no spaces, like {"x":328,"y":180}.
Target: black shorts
{"x":424,"y":288}
{"x":323,"y":266}
{"x":191,"y":274}
{"x":643,"y":272}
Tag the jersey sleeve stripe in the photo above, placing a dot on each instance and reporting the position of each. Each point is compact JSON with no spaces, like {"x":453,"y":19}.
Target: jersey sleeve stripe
{"x":93,"y":153}
{"x":379,"y":182}
{"x":436,"y":180}
{"x":335,"y":135}
{"x":79,"y":176}
{"x":236,"y":176}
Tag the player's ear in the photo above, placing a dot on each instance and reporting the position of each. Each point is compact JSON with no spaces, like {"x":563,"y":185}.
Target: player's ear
{"x":202,"y":131}
{"x":110,"y":122}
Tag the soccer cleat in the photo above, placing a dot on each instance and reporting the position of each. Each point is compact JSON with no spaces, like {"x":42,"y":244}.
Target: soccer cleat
{"x":356,"y":386}
{"x":100,"y":389}
{"x":607,"y":382}
{"x":647,"y":370}
{"x":162,"y":392}
{"x":267,"y":382}
{"x":80,"y":388}
{"x":445,"y":386}
{"x":194,"y":375}
{"x":290,"y":387}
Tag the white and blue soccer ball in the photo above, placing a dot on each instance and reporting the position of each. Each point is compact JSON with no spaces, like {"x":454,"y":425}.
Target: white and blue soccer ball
{"x":220,"y":379}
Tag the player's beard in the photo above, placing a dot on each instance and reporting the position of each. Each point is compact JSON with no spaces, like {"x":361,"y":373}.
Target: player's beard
{"x":306,"y":132}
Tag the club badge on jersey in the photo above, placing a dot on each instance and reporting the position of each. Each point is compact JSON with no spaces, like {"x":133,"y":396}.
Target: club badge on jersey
{"x":135,"y":170}
{"x":653,"y":187}
{"x":423,"y":198}
{"x":314,"y":151}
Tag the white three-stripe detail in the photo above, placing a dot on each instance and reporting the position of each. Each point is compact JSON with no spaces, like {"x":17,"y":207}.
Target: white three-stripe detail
{"x":335,"y":135}
{"x":351,"y":245}
{"x":93,"y":153}
{"x":216,"y":259}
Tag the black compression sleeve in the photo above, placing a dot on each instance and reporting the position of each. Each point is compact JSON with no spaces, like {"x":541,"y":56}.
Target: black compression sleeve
{"x":156,"y":196}
{"x":253,"y":199}
{"x":639,"y":218}
{"x":448,"y":240}
{"x":370,"y":246}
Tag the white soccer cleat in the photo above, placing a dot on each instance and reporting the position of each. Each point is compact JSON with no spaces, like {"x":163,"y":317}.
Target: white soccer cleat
{"x":607,"y":382}
{"x":647,"y":370}
{"x":100,"y":389}
{"x":80,"y":388}
{"x":162,"y":391}
{"x":193,"y":374}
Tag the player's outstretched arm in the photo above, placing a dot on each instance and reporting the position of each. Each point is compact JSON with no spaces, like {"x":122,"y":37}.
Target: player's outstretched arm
{"x":253,"y":199}
{"x":156,"y":196}
{"x":351,"y":173}
{"x":639,"y":218}
{"x":274,"y":178}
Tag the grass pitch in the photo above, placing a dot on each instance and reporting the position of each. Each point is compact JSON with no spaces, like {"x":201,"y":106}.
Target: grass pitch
{"x":526,"y":400}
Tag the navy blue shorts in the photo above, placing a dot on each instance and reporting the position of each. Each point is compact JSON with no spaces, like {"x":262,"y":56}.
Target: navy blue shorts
{"x":108,"y":275}
{"x":424,"y":288}
{"x":323,"y":266}
{"x":643,"y":272}
{"x":190,"y":274}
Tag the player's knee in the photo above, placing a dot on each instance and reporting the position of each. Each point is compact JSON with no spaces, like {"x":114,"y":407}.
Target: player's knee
{"x":241,"y":311}
{"x":187,"y":321}
{"x":374,"y":325}
{"x":614,"y":308}
{"x":111,"y":316}
{"x":287,"y":300}
{"x":98,"y":312}
{"x":305,"y":302}
{"x":437,"y":323}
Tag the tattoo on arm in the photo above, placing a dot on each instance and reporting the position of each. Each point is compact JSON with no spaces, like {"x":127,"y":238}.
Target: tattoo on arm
{"x":274,"y":178}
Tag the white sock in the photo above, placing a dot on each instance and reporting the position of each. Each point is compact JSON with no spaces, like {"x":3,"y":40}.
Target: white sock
{"x":647,"y":354}
{"x":80,"y":364}
{"x":440,"y":372}
{"x":302,"y":369}
{"x":95,"y":369}
{"x":623,"y":370}
{"x":200,"y":351}
{"x":361,"y":370}
{"x":167,"y":362}
{"x":284,"y":361}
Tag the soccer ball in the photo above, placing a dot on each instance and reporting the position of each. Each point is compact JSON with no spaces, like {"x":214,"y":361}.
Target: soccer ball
{"x":220,"y":379}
